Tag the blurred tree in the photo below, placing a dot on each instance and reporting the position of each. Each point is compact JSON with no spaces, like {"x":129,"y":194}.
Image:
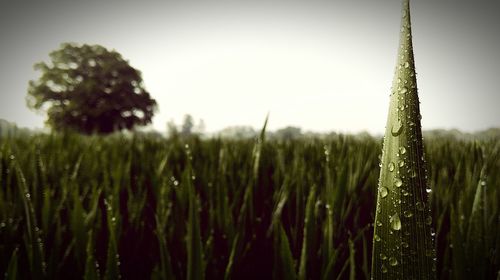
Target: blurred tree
{"x":90,"y":89}
{"x":238,"y":132}
{"x":288,"y":133}
{"x":187,"y":125}
{"x":172,"y":130}
{"x":200,"y":127}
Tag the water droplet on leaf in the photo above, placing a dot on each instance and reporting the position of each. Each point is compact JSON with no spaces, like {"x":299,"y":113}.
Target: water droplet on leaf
{"x":397,"y":128}
{"x":420,"y":206}
{"x":393,"y":261}
{"x":408,"y":213}
{"x":398,"y":183}
{"x":383,"y":192}
{"x":391,"y":166}
{"x":384,"y":269}
{"x":395,"y":222}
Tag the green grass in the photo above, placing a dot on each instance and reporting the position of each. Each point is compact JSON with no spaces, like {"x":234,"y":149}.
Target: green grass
{"x":145,"y":207}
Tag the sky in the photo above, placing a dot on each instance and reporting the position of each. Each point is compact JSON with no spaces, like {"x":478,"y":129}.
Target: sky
{"x":319,"y":65}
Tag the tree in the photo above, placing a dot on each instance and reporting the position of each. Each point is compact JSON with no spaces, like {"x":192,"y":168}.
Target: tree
{"x":288,"y":133}
{"x":187,"y":125}
{"x":172,"y":130}
{"x":238,"y":132}
{"x":90,"y":89}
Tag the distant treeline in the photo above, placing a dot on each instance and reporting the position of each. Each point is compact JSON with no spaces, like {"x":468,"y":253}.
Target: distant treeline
{"x":11,"y":129}
{"x":290,"y":132}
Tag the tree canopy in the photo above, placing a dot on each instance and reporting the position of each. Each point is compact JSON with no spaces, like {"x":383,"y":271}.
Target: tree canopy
{"x":90,"y":89}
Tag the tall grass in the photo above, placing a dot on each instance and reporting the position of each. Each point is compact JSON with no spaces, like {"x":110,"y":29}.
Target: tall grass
{"x":109,"y":207}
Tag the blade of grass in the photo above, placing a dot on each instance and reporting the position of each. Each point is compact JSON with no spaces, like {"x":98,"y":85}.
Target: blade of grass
{"x":195,"y":266}
{"x":403,"y":246}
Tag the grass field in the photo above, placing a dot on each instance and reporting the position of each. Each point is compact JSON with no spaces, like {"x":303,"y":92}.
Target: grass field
{"x":144,"y":207}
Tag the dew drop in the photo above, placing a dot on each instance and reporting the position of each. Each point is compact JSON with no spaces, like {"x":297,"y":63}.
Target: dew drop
{"x":428,"y":189}
{"x":404,"y":90}
{"x":407,"y":64}
{"x":391,"y":166}
{"x":401,"y":163}
{"x":376,"y":237}
{"x":383,"y":192}
{"x":398,"y":183}
{"x":428,"y":220}
{"x":379,"y":223}
{"x":397,"y":128}
{"x":382,"y":256}
{"x":420,"y":206}
{"x":404,"y":244}
{"x":384,"y":269}
{"x":408,"y":213}
{"x":395,"y":222}
{"x":402,"y":150}
{"x":393,"y":261}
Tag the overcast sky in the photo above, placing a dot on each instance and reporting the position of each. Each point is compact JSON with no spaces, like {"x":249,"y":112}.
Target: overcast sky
{"x":320,"y":65}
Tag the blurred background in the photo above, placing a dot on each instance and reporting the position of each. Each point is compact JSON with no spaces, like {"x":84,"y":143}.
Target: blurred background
{"x":319,"y":66}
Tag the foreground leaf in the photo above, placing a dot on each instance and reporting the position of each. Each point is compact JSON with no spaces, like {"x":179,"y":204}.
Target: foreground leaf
{"x":403,"y":239}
